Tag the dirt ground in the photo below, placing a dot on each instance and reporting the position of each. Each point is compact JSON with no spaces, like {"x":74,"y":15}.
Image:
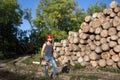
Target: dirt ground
{"x":19,"y":71}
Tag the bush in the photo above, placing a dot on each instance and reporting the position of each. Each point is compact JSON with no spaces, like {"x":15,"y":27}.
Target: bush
{"x":1,"y":55}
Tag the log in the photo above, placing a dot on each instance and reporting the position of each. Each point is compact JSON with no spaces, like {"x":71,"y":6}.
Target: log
{"x":118,"y":14}
{"x":83,"y":49}
{"x":95,"y":15}
{"x":118,"y":28}
{"x":70,"y":33}
{"x":65,"y":43}
{"x":81,"y":46}
{"x":97,"y":37}
{"x":94,"y":63}
{"x":92,"y":37}
{"x":75,"y":48}
{"x":70,"y":39}
{"x":107,"y":11}
{"x":104,"y":33}
{"x":113,"y":4}
{"x":86,"y":58}
{"x":66,"y":49}
{"x":67,"y":53}
{"x":80,"y":31}
{"x":76,"y":40}
{"x":98,"y":30}
{"x":82,"y":41}
{"x":78,"y":54}
{"x":95,"y":23}
{"x":112,"y":44}
{"x":114,"y":37}
{"x":82,"y":54}
{"x":117,"y":9}
{"x":80,"y":60}
{"x":92,"y":46}
{"x":119,"y":55}
{"x":75,"y":34}
{"x":111,"y":52}
{"x":102,"y":63}
{"x":101,"y":17}
{"x":98,"y":49}
{"x":91,"y":30}
{"x":84,"y":27}
{"x":109,"y":62}
{"x":97,"y":43}
{"x":61,"y":53}
{"x":118,"y":34}
{"x":56,"y":55}
{"x":70,"y":47}
{"x":116,"y":21}
{"x":93,"y":55}
{"x":112,"y":14}
{"x":58,"y":49}
{"x":87,"y":52}
{"x":108,"y":39}
{"x":112,"y":31}
{"x":118,"y":64}
{"x":83,"y":36}
{"x":105,"y":55}
{"x":106,"y":25}
{"x":105,"y":47}
{"x":58,"y":44}
{"x":103,"y":40}
{"x":115,"y":58}
{"x":117,"y":48}
{"x":88,"y":41}
{"x":88,"y":18}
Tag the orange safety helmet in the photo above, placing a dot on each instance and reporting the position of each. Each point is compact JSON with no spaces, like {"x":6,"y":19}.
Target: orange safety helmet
{"x":49,"y":36}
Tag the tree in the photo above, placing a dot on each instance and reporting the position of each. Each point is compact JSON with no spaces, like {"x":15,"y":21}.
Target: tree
{"x":10,"y":18}
{"x":59,"y":15}
{"x":98,"y":7}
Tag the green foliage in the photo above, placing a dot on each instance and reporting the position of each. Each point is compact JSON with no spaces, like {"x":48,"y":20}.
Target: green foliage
{"x":10,"y":18}
{"x":10,"y":12}
{"x":57,"y":16}
{"x":98,"y":7}
{"x":58,"y":34}
{"x":1,"y":55}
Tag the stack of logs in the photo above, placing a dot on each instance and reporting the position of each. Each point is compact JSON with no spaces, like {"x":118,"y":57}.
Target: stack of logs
{"x":97,"y":42}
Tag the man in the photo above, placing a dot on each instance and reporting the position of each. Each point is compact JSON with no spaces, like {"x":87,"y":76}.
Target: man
{"x":47,"y":53}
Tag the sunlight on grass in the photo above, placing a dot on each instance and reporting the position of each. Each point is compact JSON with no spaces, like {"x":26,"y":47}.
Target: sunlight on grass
{"x":29,"y":60}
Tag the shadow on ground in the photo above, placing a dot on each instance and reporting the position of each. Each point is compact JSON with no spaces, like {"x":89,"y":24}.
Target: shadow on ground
{"x":7,"y":75}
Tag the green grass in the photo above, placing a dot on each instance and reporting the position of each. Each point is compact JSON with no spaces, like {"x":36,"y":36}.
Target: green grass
{"x":110,"y":69}
{"x":84,"y":77}
{"x":29,"y":60}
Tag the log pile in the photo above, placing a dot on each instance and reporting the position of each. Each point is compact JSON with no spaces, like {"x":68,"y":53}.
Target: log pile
{"x":97,"y":42}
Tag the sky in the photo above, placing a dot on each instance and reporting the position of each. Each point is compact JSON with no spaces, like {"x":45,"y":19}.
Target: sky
{"x":83,"y":4}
